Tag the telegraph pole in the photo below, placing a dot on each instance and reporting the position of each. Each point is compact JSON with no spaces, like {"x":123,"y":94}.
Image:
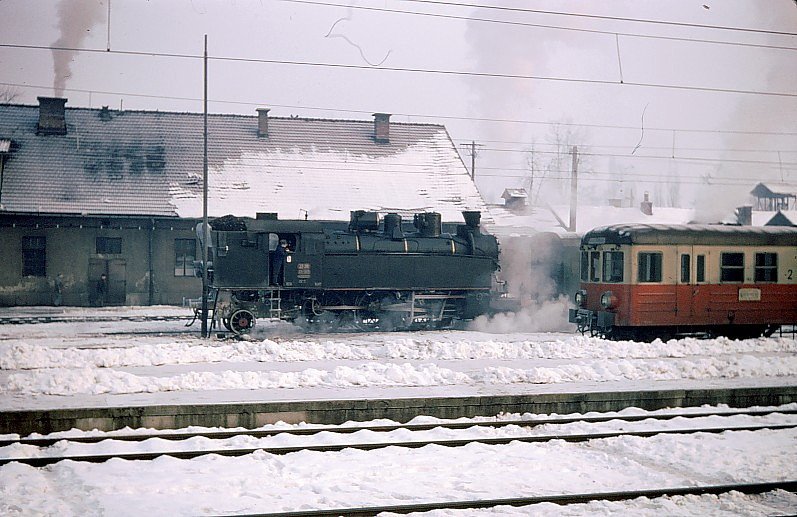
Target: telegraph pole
{"x":574,"y":191}
{"x":472,"y":152}
{"x":205,"y":202}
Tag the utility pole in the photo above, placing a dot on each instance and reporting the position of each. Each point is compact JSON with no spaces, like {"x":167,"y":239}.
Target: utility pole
{"x":205,"y":202}
{"x":574,"y":191}
{"x":472,"y":152}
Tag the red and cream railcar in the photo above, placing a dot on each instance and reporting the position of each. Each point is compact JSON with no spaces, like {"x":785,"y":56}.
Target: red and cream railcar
{"x":645,"y":281}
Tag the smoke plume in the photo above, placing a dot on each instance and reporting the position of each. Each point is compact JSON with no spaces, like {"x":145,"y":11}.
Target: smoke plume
{"x":75,"y":21}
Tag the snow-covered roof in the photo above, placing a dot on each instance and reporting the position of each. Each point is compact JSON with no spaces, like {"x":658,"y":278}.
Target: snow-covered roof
{"x":149,"y":163}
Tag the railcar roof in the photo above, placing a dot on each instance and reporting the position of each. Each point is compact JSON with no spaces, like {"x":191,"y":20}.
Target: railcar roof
{"x":709,"y":234}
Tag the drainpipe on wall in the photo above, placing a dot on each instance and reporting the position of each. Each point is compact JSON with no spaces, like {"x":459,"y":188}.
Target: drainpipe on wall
{"x":149,"y":259}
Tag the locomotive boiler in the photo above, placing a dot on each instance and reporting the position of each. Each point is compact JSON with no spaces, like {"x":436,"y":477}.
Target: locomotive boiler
{"x":644,"y":281}
{"x":370,"y":275}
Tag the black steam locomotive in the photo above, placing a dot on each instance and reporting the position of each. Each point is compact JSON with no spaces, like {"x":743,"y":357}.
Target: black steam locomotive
{"x":369,"y":275}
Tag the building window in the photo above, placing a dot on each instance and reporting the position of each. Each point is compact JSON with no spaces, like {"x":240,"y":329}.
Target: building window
{"x":766,"y":267}
{"x":184,"y":256}
{"x":34,"y":256}
{"x":686,"y":272}
{"x":732,"y":267}
{"x":650,"y":267}
{"x":109,"y":245}
{"x":700,"y":274}
{"x":613,"y":266}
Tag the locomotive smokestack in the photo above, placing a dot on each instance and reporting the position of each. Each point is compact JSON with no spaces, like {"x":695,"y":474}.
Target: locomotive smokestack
{"x":52,"y":120}
{"x":472,"y":218}
{"x":262,"y":122}
{"x":382,"y":127}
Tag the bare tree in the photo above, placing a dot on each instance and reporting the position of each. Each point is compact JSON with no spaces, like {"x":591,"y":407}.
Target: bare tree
{"x":548,"y":164}
{"x":8,"y":94}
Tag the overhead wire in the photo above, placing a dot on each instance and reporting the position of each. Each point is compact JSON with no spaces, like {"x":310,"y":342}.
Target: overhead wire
{"x":432,"y":71}
{"x":541,"y":25}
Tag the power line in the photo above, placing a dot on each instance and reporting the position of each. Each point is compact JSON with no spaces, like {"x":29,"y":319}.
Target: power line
{"x":432,"y":71}
{"x":616,"y":146}
{"x":539,"y":25}
{"x":601,"y":17}
{"x":416,"y":115}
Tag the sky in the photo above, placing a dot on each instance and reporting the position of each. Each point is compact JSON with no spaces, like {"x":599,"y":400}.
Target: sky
{"x":715,"y":108}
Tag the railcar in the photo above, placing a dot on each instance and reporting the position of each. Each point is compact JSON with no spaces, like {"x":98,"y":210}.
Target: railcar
{"x":642,"y":281}
{"x":370,"y":275}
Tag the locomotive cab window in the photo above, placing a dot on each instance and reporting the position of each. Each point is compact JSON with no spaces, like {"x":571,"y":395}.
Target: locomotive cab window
{"x":766,"y":267}
{"x":590,"y":266}
{"x":649,"y":264}
{"x":613,"y":266}
{"x":732,"y":267}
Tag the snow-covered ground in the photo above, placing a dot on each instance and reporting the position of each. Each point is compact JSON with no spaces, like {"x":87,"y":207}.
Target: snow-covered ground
{"x":80,"y":364}
{"x":263,"y":482}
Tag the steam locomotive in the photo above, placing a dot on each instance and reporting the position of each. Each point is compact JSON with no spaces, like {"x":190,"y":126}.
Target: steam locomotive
{"x":369,"y":275}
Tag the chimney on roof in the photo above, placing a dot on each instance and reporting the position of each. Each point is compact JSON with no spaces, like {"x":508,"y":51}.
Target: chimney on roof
{"x":646,"y":206}
{"x":744,"y":215}
{"x":51,"y":116}
{"x":382,"y":127}
{"x":262,"y":122}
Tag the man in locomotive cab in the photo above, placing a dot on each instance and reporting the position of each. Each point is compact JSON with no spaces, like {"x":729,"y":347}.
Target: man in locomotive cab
{"x":278,"y":258}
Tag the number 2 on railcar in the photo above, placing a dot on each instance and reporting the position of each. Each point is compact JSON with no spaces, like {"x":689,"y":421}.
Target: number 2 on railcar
{"x":642,"y":281}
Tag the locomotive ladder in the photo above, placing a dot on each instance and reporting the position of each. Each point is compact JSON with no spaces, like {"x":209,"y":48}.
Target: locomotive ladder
{"x":274,"y":304}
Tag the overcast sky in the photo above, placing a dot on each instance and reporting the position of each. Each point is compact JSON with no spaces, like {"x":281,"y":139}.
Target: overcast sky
{"x":671,"y":75}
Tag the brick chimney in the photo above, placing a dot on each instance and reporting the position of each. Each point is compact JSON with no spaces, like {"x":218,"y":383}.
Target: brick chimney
{"x":744,"y":215}
{"x":262,"y":122}
{"x":646,"y":206}
{"x":51,"y":116}
{"x":382,"y":127}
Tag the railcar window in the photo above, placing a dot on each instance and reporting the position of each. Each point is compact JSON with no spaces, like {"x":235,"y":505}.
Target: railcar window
{"x":34,"y":256}
{"x":700,"y":274}
{"x":184,"y":256}
{"x":594,"y":266}
{"x":585,"y":266}
{"x":650,"y":266}
{"x":732,"y":267}
{"x":613,"y":266}
{"x":686,"y":263}
{"x":766,"y":267}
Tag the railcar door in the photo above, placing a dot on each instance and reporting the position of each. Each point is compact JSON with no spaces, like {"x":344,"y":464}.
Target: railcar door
{"x":684,"y":285}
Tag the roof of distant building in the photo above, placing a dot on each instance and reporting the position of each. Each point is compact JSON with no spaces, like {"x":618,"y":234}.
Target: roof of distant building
{"x":150,"y":163}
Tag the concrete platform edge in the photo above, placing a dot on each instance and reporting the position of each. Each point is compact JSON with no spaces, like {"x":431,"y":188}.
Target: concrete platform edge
{"x":252,"y":415}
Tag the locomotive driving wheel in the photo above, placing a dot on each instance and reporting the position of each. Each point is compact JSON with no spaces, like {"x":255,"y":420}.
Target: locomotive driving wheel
{"x":242,"y":321}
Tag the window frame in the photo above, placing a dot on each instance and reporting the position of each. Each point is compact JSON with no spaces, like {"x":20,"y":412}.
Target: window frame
{"x":609,"y":259}
{"x":648,"y":267}
{"x":765,"y":268}
{"x":725,"y":269}
{"x":182,"y":266}
{"x":34,"y":255}
{"x":109,"y":245}
{"x":686,"y":268}
{"x":700,"y":269}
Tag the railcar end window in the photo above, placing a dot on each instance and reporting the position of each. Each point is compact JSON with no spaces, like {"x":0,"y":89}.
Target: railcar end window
{"x":34,"y":256}
{"x":613,"y":266}
{"x":686,"y":271}
{"x":184,"y":256}
{"x":595,"y":266}
{"x":585,"y":266}
{"x":732,"y":267}
{"x":650,"y":266}
{"x":700,"y":274}
{"x":766,"y":267}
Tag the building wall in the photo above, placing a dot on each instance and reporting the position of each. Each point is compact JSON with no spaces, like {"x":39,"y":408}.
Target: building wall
{"x":142,"y":273}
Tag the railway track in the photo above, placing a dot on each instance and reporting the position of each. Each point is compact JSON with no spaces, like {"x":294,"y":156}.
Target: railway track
{"x":33,"y":319}
{"x":43,"y":460}
{"x":563,"y":499}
